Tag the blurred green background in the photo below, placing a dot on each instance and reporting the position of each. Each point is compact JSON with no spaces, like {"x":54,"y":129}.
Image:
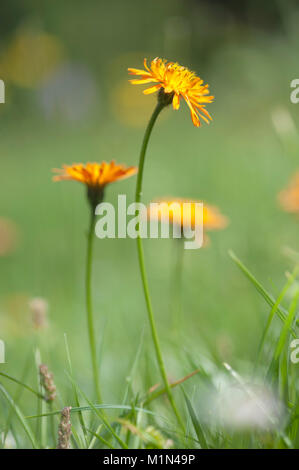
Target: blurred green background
{"x":68,"y":100}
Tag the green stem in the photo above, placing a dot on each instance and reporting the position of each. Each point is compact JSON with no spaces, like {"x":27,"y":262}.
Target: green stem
{"x":53,"y":430}
{"x":90,"y":321}
{"x":147,"y":134}
{"x":177,"y":286}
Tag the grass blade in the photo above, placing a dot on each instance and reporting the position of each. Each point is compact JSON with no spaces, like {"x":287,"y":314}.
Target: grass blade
{"x":103,"y":419}
{"x":280,"y":298}
{"x":76,"y":398}
{"x":96,"y":435}
{"x":97,"y":407}
{"x":268,"y":298}
{"x":196,"y":424}
{"x":287,"y":325}
{"x":13,"y":379}
{"x":20,"y":416}
{"x":153,"y":395}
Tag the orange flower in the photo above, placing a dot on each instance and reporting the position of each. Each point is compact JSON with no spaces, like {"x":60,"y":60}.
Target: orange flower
{"x":95,"y":176}
{"x":173,"y":211}
{"x":178,"y":82}
{"x":289,"y":198}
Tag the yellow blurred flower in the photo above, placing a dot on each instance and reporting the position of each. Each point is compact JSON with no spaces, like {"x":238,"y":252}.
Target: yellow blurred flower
{"x":30,"y":58}
{"x":173,"y":210}
{"x":128,"y":105}
{"x":14,"y":318}
{"x":177,"y":82}
{"x":289,"y":197}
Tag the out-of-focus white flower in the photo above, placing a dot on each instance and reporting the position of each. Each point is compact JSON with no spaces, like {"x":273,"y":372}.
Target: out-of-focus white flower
{"x":241,"y":405}
{"x":255,"y":407}
{"x":9,"y":442}
{"x":39,"y":309}
{"x":283,"y":122}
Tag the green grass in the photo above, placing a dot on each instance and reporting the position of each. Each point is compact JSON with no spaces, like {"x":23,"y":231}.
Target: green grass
{"x":127,"y":424}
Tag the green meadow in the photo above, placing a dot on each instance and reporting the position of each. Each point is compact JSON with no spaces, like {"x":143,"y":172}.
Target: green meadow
{"x":239,"y":163}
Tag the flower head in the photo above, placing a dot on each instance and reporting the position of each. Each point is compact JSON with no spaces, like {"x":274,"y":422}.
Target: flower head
{"x":173,"y":210}
{"x":177,"y":82}
{"x":95,"y":176}
{"x":289,"y":197}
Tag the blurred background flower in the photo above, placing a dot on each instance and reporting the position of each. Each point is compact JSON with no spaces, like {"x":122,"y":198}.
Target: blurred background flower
{"x":9,"y":236}
{"x":289,"y":197}
{"x":237,"y":407}
{"x":39,"y":308}
{"x":69,"y":93}
{"x":30,"y":57}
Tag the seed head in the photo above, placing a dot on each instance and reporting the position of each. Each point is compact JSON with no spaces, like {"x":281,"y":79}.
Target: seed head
{"x":47,"y":382}
{"x":64,"y":430}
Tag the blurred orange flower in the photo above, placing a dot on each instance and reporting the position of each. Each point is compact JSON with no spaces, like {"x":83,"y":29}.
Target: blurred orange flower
{"x":179,"y":82}
{"x":173,"y":210}
{"x":9,"y":237}
{"x":289,"y":197}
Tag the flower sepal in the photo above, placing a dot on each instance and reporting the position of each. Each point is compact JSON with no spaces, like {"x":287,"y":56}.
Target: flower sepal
{"x":165,"y":98}
{"x":95,"y":195}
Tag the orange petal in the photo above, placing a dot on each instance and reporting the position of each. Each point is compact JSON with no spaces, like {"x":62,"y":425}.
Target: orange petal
{"x":194,"y":117}
{"x":176,"y":101}
{"x":145,"y":65}
{"x":152,"y":89}
{"x":138,"y":72}
{"x":142,"y":81}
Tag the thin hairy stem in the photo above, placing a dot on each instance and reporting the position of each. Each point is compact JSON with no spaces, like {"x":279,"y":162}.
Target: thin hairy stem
{"x":150,"y":313}
{"x":177,"y":286}
{"x":89,"y":310}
